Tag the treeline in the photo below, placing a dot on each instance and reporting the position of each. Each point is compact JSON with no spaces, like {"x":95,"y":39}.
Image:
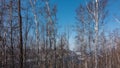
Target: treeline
{"x":30,"y":36}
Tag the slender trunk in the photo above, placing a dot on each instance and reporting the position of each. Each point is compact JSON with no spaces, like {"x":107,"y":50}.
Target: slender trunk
{"x":37,"y":29}
{"x":62,"y":66}
{"x":96,"y":33}
{"x":12,"y":48}
{"x":55,"y":52}
{"x":26,"y":38}
{"x":5,"y":55}
{"x":20,"y":33}
{"x":86,"y":64}
{"x":55,"y":30}
{"x":89,"y":38}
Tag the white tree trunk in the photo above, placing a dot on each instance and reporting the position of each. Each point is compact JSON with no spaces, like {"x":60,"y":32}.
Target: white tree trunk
{"x":96,"y":32}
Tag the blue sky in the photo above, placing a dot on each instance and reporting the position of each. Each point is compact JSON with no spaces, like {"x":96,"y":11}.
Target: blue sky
{"x":66,"y":16}
{"x":113,"y":8}
{"x":66,"y":12}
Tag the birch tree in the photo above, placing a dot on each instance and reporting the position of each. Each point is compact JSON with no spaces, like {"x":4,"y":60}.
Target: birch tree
{"x":97,"y":12}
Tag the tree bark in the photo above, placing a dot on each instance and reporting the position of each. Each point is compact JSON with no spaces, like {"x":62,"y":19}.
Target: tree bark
{"x":96,"y":32}
{"x":12,"y":49}
{"x":20,"y":33}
